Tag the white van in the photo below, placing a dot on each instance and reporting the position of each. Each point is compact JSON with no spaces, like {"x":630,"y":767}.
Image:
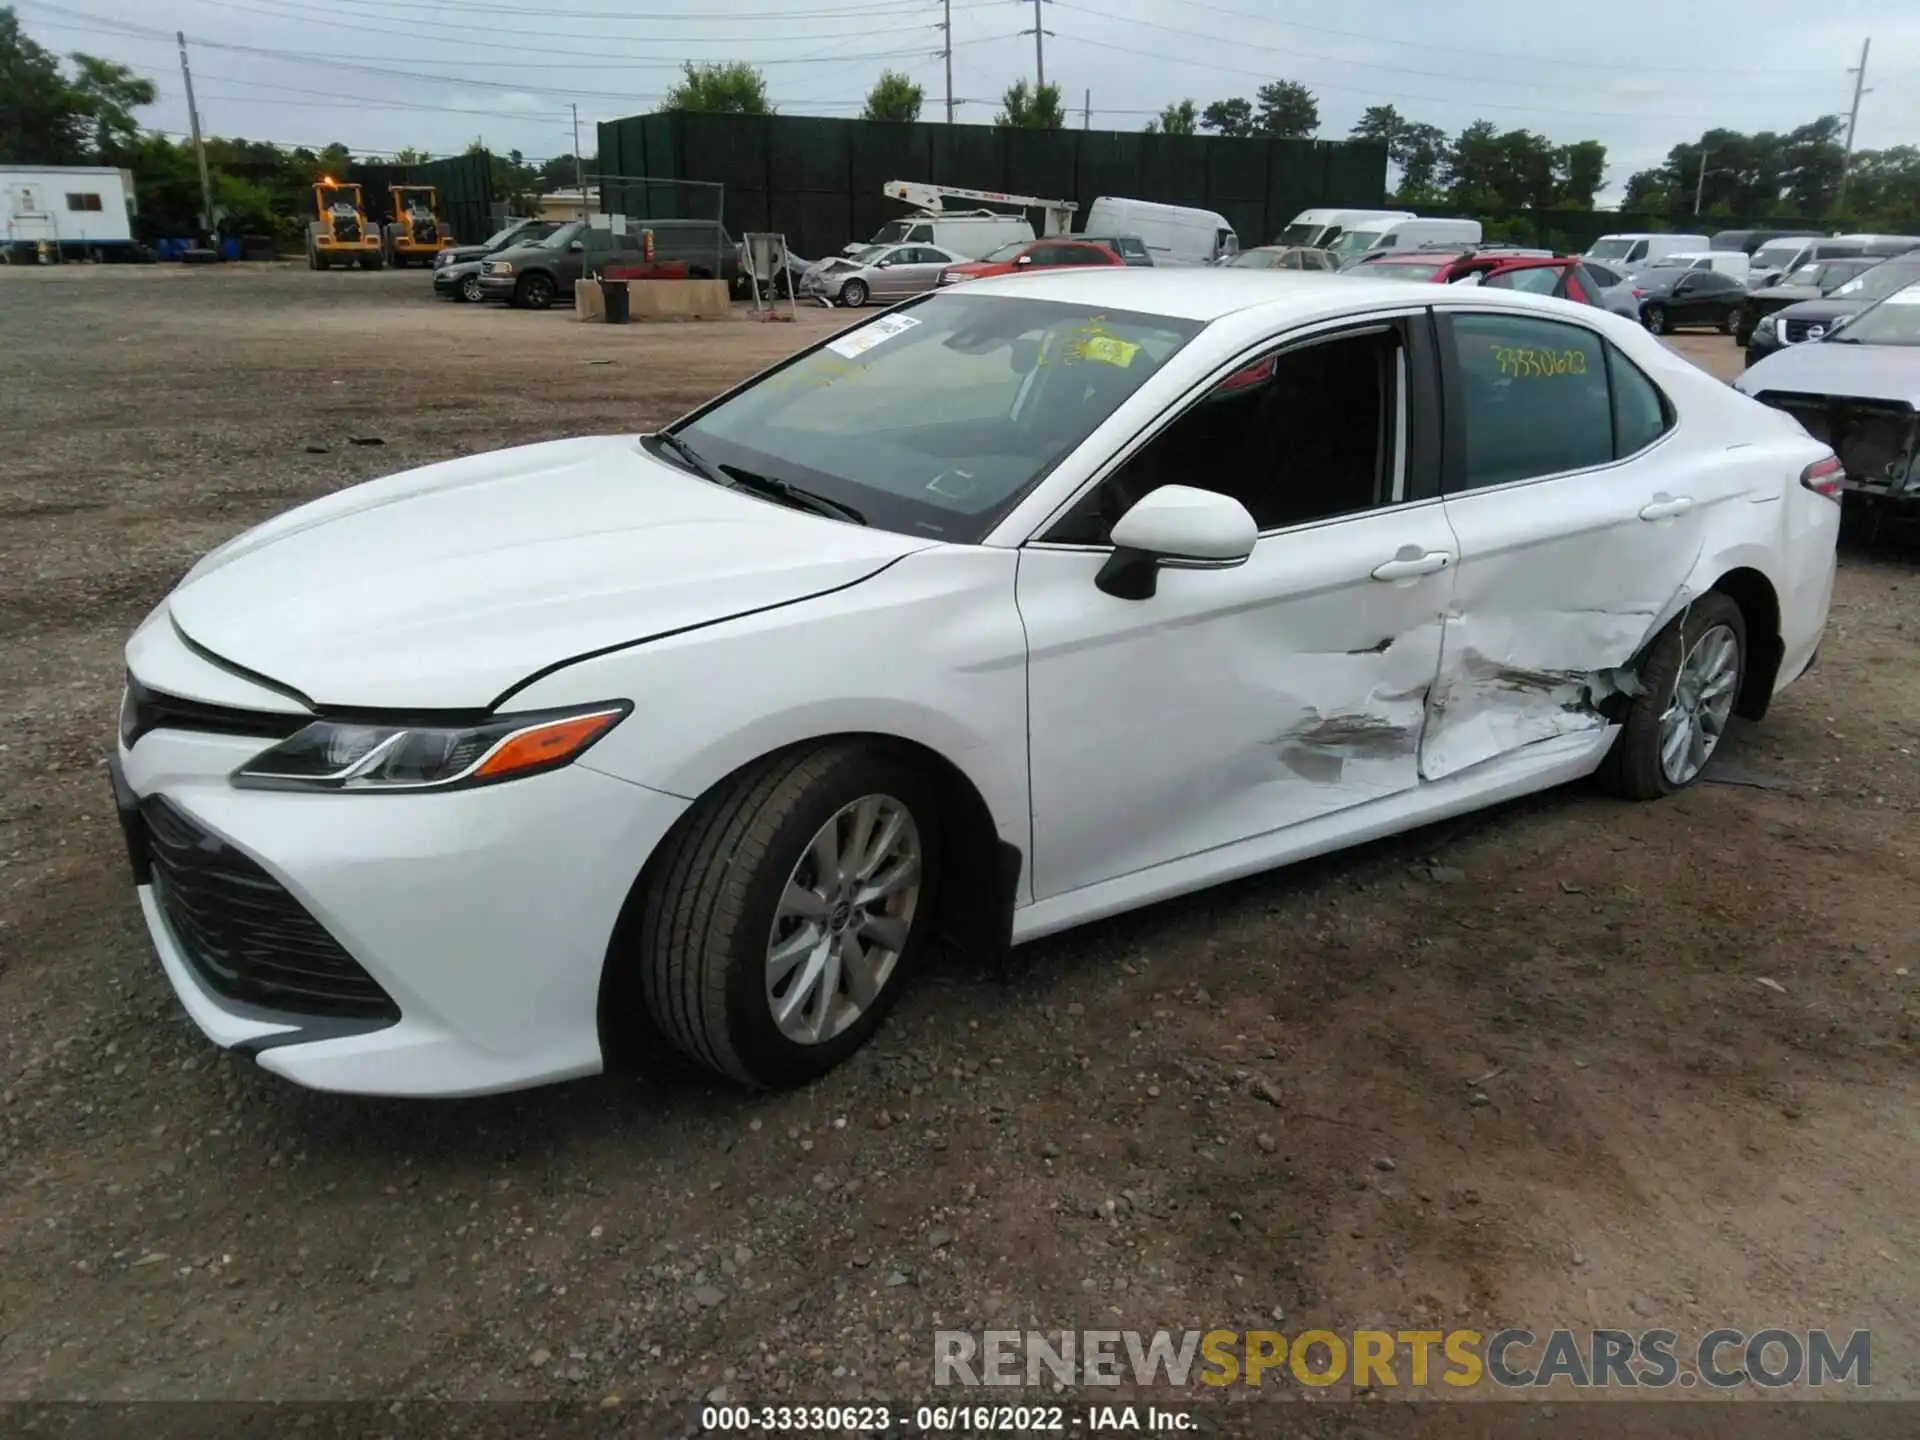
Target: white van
{"x":1360,"y":240}
{"x":971,"y":233}
{"x":1735,"y":263}
{"x":1174,"y":234}
{"x":1633,"y":249}
{"x":1318,"y":228}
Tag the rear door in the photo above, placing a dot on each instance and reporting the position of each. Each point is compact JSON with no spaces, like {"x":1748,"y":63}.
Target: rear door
{"x":1575,"y":536}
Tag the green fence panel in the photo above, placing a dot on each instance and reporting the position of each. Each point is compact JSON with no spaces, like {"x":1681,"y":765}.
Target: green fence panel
{"x":1236,"y":170}
{"x":746,"y":210}
{"x":1109,"y":165}
{"x":815,"y":223}
{"x":1173,"y":169}
{"x":973,"y":157}
{"x":731,"y":149}
{"x":1296,"y":181}
{"x":1042,"y":162}
{"x":883,"y":150}
{"x":805,"y":153}
{"x":1248,"y":218}
{"x":1356,"y":173}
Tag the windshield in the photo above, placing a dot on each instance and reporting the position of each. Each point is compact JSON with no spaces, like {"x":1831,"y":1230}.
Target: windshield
{"x":558,"y":240}
{"x":936,"y":417}
{"x":870,"y":254}
{"x":1777,"y":254}
{"x":1805,"y":275}
{"x":1615,"y":249}
{"x":1879,"y":282}
{"x":891,"y":233}
{"x":1006,"y":251}
{"x":1355,"y":241}
{"x":1257,"y":260}
{"x":1402,"y":270}
{"x":1298,"y":234}
{"x":1894,"y":321}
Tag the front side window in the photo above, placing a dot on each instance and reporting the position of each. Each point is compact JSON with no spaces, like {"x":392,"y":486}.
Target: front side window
{"x":1302,"y":435}
{"x":921,"y":233}
{"x":1532,"y":397}
{"x":937,"y":417}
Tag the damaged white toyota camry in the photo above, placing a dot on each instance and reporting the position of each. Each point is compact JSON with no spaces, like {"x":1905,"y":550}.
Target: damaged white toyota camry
{"x":1019,"y":605}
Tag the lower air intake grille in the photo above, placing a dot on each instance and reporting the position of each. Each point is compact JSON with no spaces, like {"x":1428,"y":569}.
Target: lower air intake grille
{"x":246,"y":937}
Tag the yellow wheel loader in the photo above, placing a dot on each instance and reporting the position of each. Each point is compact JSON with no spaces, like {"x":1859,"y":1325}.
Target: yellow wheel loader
{"x":340,"y":234}
{"x":415,"y":233}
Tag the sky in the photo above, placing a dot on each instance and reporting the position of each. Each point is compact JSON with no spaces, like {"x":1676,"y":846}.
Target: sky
{"x":378,"y":75}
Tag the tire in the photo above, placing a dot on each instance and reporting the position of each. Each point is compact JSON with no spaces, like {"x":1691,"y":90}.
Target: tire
{"x":469,"y":290}
{"x":1729,"y":324}
{"x":701,"y":953}
{"x":853,"y":294}
{"x":534,"y":292}
{"x":1654,"y":317}
{"x":1633,"y":767}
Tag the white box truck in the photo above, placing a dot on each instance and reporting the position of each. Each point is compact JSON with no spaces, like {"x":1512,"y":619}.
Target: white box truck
{"x":1319,"y":227}
{"x":73,"y":211}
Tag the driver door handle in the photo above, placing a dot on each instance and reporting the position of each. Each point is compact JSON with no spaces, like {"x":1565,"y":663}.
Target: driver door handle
{"x":1407,"y":567}
{"x":1665,"y":507}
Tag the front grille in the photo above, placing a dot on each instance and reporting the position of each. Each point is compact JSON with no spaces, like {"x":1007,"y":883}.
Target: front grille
{"x":246,"y":937}
{"x":1795,"y":331}
{"x":145,"y":710}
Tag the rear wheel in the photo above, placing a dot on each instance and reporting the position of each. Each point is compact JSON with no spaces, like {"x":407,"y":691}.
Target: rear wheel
{"x":791,"y":904}
{"x":1654,"y":317}
{"x":1691,"y":678}
{"x":853,"y":294}
{"x":534,"y":292}
{"x":1729,"y":323}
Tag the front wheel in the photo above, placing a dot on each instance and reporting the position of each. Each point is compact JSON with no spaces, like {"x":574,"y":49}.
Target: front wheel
{"x":1690,"y":682}
{"x":1729,"y":325}
{"x":787,"y":911}
{"x":534,"y":292}
{"x":1654,"y":317}
{"x":471,"y":290}
{"x":853,"y":294}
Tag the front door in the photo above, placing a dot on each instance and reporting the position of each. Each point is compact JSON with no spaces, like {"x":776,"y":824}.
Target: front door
{"x":1577,"y":530}
{"x":1231,"y":703}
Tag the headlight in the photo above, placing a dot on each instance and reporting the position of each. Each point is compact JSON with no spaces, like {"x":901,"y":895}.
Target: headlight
{"x":1765,"y":325}
{"x":349,"y":755}
{"x":498,"y":267}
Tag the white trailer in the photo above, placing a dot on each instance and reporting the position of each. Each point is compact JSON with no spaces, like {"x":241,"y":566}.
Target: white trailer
{"x":74,"y":212}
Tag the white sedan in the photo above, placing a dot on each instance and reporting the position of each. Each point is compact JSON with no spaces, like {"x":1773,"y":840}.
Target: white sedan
{"x":1016,"y":606}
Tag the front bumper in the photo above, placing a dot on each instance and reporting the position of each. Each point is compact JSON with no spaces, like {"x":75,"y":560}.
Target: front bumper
{"x":498,"y":287}
{"x":448,"y":279}
{"x":485,"y":915}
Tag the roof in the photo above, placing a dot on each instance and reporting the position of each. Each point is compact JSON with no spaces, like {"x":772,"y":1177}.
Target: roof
{"x":1201,"y":292}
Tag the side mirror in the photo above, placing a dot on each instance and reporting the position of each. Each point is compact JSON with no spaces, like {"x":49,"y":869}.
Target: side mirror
{"x":1177,"y":526}
{"x":1024,"y":260}
{"x":575,"y":245}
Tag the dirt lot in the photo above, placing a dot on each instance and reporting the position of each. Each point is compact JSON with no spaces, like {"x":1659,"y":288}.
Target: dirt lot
{"x":1570,"y":1062}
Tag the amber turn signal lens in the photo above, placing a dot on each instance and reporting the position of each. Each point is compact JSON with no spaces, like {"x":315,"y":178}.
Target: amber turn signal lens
{"x":545,"y":744}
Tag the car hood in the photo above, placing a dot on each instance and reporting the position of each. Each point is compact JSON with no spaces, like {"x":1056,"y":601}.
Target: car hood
{"x":446,"y":586}
{"x":1820,"y":367}
{"x":1826,"y":307}
{"x":1783,"y":294}
{"x":452,"y":254}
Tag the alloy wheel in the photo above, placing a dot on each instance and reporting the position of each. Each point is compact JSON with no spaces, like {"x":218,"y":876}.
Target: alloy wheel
{"x":853,"y":295}
{"x":1697,"y":711}
{"x":470,"y":289}
{"x":843,"y":919}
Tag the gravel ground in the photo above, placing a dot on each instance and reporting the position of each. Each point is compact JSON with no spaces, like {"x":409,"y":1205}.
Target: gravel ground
{"x":1565,"y":1062}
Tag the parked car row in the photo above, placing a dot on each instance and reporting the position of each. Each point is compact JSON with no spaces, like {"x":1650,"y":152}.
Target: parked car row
{"x":533,"y":264}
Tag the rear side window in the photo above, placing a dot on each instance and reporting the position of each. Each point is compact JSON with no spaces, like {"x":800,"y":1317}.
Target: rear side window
{"x":1510,"y":373}
{"x":1641,"y":413}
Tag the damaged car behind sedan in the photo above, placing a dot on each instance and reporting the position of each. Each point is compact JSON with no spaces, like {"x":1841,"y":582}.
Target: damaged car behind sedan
{"x":1858,"y":389}
{"x":1025,"y":603}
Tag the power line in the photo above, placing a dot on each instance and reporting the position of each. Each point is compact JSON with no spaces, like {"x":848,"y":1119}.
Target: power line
{"x":524,"y":12}
{"x":1474,"y":104}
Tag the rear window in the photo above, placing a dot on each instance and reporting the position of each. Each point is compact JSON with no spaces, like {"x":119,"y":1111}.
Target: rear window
{"x":1404,"y":270}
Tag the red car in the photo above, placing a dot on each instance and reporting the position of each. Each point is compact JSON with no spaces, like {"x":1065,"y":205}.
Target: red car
{"x":1560,"y":275}
{"x":1023,"y":255}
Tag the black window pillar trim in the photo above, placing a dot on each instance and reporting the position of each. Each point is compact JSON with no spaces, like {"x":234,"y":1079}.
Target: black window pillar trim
{"x":1453,"y":424}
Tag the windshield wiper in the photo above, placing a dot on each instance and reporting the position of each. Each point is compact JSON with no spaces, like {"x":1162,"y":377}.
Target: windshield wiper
{"x":689,"y":456}
{"x":788,"y":493}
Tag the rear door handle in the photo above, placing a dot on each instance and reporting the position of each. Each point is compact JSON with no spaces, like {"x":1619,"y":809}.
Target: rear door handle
{"x":1407,"y":567}
{"x":1665,"y":507}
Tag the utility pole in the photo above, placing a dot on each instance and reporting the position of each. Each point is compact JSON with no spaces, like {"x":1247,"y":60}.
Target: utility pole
{"x":1086,"y":110}
{"x":946,"y":53}
{"x":199,"y":149}
{"x":1700,"y":185}
{"x":1853,"y":118}
{"x":1039,"y":52}
{"x":579,"y":165}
